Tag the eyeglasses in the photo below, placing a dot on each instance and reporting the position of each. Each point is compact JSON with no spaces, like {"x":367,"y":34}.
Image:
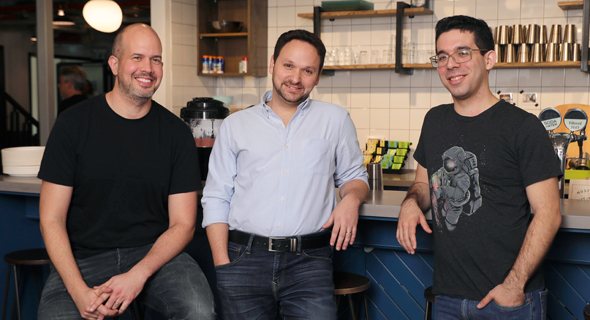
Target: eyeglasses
{"x":460,"y":56}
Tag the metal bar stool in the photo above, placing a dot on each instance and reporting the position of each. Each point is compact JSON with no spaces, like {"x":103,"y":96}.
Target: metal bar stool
{"x":15,"y":260}
{"x":429,"y":301}
{"x":346,"y":284}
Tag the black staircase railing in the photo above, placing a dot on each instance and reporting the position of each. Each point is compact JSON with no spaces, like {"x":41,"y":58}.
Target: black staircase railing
{"x":19,"y":132}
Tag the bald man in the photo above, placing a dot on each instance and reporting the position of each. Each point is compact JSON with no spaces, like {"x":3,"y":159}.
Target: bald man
{"x":119,"y":198}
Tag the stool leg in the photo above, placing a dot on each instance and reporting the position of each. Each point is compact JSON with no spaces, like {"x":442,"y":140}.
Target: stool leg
{"x":366,"y":306}
{"x":36,"y":283}
{"x":428,"y":311}
{"x":6,"y":291}
{"x":16,"y":293}
{"x":351,"y":307}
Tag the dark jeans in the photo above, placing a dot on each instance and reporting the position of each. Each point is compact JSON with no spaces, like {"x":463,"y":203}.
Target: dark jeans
{"x":179,"y":290}
{"x":257,"y":284}
{"x":533,"y":308}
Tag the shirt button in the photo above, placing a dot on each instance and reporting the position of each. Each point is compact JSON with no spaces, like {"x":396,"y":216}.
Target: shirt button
{"x":286,"y":146}
{"x":282,"y":198}
{"x":280,"y":125}
{"x":279,"y":225}
{"x":284,"y":171}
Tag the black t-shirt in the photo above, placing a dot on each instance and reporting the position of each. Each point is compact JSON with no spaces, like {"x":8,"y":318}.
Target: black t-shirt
{"x":478,"y":168}
{"x":122,"y":172}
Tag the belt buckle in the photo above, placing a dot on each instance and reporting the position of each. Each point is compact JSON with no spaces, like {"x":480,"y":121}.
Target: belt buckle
{"x":292,"y":244}
{"x":270,"y":239}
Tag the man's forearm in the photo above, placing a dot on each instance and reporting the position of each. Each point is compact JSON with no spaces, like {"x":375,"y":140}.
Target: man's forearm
{"x":58,"y":247}
{"x":355,"y":190}
{"x":218,"y":234}
{"x":537,"y":241}
{"x":167,"y":246}
{"x":419,"y":192}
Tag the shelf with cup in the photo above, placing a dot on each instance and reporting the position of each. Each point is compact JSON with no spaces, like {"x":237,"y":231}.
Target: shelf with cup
{"x":367,"y":13}
{"x":499,"y":65}
{"x":378,"y":66}
{"x":250,"y":41}
{"x":223,"y":35}
{"x":570,"y":5}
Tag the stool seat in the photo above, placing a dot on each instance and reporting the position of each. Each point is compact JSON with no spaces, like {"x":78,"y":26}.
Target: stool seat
{"x":349,"y":283}
{"x":428,"y":294}
{"x":29,"y":257}
{"x":587,"y":312}
{"x":15,"y":260}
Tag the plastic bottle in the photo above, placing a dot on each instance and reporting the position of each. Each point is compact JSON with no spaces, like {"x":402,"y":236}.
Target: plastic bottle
{"x":244,"y":65}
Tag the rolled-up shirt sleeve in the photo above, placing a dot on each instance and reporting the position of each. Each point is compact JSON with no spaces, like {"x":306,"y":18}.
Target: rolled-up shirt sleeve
{"x":219,"y":187}
{"x":349,"y":157}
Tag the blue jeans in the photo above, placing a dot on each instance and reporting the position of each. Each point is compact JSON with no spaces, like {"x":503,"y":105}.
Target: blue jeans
{"x":534,"y":308}
{"x":179,"y":290}
{"x":257,"y":284}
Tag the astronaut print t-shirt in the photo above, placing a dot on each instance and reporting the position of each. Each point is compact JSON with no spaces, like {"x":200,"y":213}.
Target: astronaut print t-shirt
{"x":478,"y":169}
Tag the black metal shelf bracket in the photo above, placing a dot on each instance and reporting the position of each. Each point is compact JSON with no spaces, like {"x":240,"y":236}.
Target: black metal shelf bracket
{"x":399,"y":34}
{"x":585,"y":34}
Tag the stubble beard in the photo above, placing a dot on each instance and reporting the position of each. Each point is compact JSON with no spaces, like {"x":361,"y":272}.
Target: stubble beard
{"x":132,"y":93}
{"x":283,"y":96}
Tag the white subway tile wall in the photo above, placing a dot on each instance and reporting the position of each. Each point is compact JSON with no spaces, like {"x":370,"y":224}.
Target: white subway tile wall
{"x":382,"y":103}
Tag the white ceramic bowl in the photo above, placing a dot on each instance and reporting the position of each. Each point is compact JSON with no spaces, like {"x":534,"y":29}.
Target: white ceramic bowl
{"x":22,"y":156}
{"x":21,"y":171}
{"x":227,"y":100}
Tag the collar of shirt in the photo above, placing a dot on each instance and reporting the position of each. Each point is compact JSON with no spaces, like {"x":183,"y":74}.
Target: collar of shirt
{"x":267,"y":96}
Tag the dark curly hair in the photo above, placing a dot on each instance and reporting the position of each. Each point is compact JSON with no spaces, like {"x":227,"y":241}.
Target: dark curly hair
{"x":480,"y":29}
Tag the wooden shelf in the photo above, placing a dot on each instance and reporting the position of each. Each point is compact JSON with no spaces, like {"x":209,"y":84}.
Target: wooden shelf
{"x":368,"y":13}
{"x":225,"y":74}
{"x":558,"y":64}
{"x":570,"y":5}
{"x":501,"y":65}
{"x":220,"y":35}
{"x":251,"y":42}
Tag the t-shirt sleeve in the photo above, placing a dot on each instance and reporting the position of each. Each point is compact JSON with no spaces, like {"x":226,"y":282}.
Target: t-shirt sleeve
{"x":537,"y":159}
{"x":186,"y":176}
{"x":59,"y":158}
{"x":419,"y":154}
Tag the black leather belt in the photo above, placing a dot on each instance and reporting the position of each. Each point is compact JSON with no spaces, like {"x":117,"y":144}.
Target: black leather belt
{"x":282,"y":244}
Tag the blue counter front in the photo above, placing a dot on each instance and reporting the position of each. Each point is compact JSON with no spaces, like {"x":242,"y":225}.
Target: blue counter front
{"x":398,"y":279}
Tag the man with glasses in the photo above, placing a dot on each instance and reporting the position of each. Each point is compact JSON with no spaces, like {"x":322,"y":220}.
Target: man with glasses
{"x":482,"y":165}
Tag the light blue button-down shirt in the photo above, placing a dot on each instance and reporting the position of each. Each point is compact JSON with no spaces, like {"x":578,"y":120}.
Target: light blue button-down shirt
{"x":272,"y":180}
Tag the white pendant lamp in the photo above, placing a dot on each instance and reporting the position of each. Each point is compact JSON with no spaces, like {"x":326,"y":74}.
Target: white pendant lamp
{"x":103,"y":15}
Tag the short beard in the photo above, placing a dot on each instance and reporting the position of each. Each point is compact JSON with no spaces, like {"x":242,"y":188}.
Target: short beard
{"x":298,"y":101}
{"x":139,"y":99}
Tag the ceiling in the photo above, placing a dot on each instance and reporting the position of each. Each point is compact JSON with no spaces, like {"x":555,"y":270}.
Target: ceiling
{"x":21,"y":15}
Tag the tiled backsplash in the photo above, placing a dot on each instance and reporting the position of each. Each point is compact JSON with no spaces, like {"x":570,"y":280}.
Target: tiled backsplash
{"x":383,"y":104}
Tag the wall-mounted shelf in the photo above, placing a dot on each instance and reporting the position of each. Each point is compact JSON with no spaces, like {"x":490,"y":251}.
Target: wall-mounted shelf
{"x":251,"y":42}
{"x":501,"y":65}
{"x":223,"y":35}
{"x":225,"y":74}
{"x":570,"y":5}
{"x":367,"y":13}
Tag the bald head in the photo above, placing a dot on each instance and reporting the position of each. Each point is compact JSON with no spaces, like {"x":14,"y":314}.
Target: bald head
{"x":119,"y":43}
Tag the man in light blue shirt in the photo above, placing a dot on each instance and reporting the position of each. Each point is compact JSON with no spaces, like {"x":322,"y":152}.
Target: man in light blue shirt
{"x":270,"y":206}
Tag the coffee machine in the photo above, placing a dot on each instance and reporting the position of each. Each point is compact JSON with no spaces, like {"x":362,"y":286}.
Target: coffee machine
{"x":204,"y":116}
{"x":574,"y":120}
